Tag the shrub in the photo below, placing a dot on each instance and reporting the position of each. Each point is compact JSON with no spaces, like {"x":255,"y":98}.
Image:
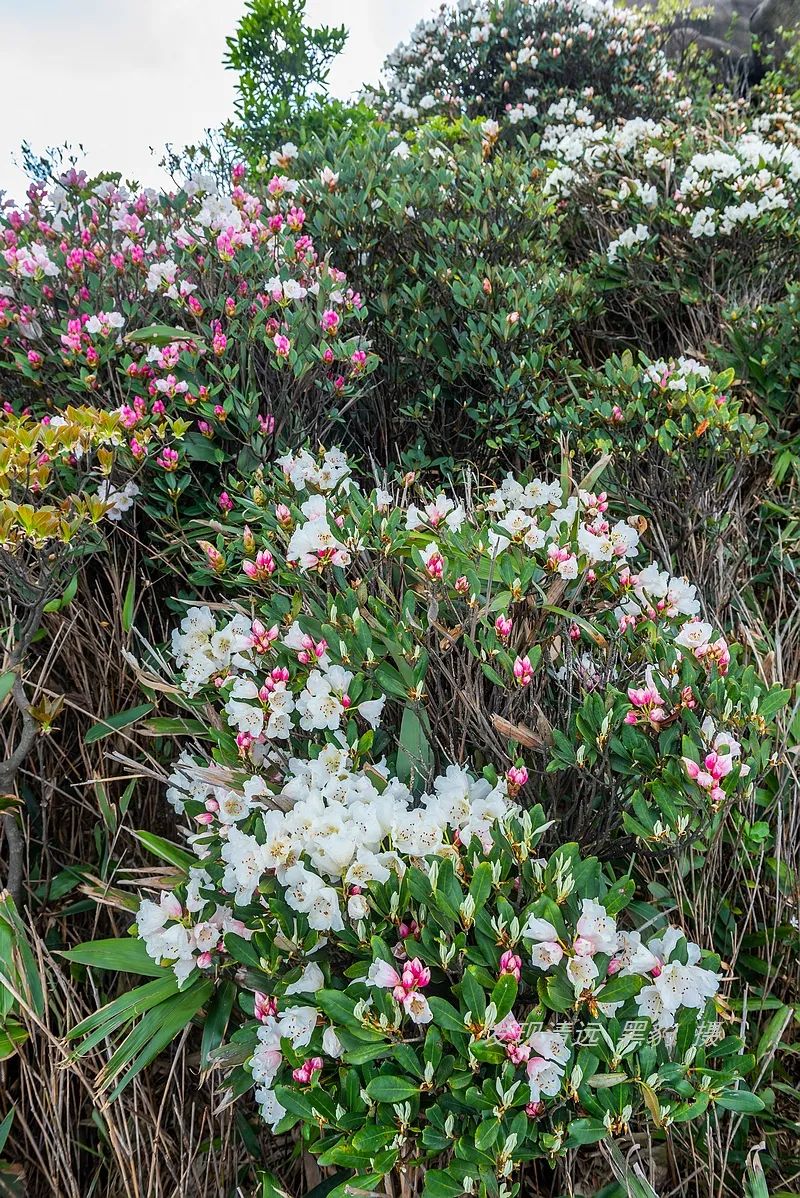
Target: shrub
{"x":497,"y":303}
{"x":371,"y":919}
{"x":470,"y":315}
{"x":511,"y":58}
{"x":470,"y":1005}
{"x":207,"y":320}
{"x":497,"y":629}
{"x":675,"y":229}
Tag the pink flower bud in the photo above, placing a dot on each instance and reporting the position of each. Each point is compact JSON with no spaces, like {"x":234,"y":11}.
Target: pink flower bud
{"x":523,"y":670}
{"x":512,"y":964}
{"x":503,"y":625}
{"x":516,"y":776}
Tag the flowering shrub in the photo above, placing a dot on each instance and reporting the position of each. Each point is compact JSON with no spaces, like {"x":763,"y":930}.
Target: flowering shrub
{"x":680,"y":408}
{"x":385,"y":944}
{"x":441,"y":995}
{"x":681,"y":226}
{"x":205,"y":318}
{"x":513,"y":310}
{"x":518,"y":628}
{"x":510,"y":58}
{"x":389,"y":959}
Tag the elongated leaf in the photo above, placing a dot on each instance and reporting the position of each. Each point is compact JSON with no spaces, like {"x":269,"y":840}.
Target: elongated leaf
{"x":740,"y":1100}
{"x":504,"y":994}
{"x":391,"y":1089}
{"x":125,"y":956}
{"x":17,"y":961}
{"x":618,"y":988}
{"x":5,"y":1128}
{"x":414,"y":754}
{"x":152,"y":1034}
{"x":166,"y":726}
{"x":113,"y":723}
{"x":219,"y":1012}
{"x":166,"y":850}
{"x":122,"y":1010}
{"x":128,"y":603}
{"x":158,"y":334}
{"x":6,"y":683}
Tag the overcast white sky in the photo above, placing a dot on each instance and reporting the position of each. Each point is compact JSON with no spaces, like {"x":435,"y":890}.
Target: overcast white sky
{"x":120,"y":76}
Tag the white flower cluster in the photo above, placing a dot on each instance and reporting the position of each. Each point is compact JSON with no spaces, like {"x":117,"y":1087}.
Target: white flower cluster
{"x":295,"y":1024}
{"x":315,"y":543}
{"x":654,"y":594}
{"x":655,"y":591}
{"x":305,"y":471}
{"x":627,"y":239}
{"x":595,"y":539}
{"x":119,"y":499}
{"x":202,"y":651}
{"x":170,"y":935}
{"x":579,"y":142}
{"x":336,"y":830}
{"x":677,"y":374}
{"x":671,"y":984}
{"x":728,"y":185}
{"x":267,"y":709}
{"x":524,"y":512}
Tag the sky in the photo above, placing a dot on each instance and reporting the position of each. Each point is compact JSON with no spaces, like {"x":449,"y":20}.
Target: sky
{"x":121,"y":76}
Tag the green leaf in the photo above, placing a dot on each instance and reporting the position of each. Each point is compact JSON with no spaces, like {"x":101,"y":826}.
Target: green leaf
{"x":5,"y":1128}
{"x":272,"y":1188}
{"x":217,"y":1016}
{"x":113,"y":723}
{"x":387,"y":1088}
{"x":12,"y":1036}
{"x":152,"y":1034}
{"x":337,"y":1006}
{"x":504,"y":995}
{"x":128,"y":603}
{"x":446,"y":1015}
{"x":481,"y":885}
{"x":414,"y":755}
{"x":158,"y":334}
{"x":124,"y":956}
{"x":6,"y":683}
{"x":486,"y":1134}
{"x":618,"y":988}
{"x":122,"y":1010}
{"x":773,"y":701}
{"x":166,"y":850}
{"x":556,"y":993}
{"x":441,"y":1183}
{"x":740,"y":1100}
{"x":586,"y":1131}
